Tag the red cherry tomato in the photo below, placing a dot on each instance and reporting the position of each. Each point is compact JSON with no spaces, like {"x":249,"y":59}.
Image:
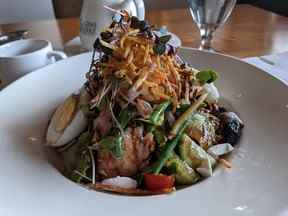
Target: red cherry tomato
{"x":158,"y":182}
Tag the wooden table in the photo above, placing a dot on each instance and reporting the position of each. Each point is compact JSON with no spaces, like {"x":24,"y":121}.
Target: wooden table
{"x":250,"y":31}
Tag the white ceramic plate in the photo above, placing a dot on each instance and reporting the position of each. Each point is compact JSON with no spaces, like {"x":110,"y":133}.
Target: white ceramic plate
{"x":257,"y":184}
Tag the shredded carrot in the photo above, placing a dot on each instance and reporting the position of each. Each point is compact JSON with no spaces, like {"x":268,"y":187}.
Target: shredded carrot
{"x":226,"y":163}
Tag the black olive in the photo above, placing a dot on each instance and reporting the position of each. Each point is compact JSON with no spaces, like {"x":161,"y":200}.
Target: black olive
{"x":231,"y":128}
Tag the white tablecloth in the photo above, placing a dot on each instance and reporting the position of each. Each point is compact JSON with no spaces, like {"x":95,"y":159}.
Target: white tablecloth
{"x":276,"y":65}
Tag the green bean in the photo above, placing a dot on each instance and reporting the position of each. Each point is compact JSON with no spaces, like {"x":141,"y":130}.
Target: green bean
{"x":186,"y":115}
{"x":157,"y":116}
{"x":167,"y":151}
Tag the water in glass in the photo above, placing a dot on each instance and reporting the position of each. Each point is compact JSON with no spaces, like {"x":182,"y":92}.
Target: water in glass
{"x":208,"y":15}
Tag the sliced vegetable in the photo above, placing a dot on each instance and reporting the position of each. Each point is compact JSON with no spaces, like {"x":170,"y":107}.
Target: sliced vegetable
{"x":206,"y":76}
{"x":205,"y":169}
{"x":121,"y":181}
{"x":195,"y":156}
{"x":183,"y":173}
{"x":220,"y":149}
{"x":158,"y":182}
{"x":187,"y":114}
{"x":192,"y":153}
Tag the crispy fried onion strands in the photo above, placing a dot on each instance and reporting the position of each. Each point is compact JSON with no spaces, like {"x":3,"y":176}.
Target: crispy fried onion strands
{"x":155,"y":77}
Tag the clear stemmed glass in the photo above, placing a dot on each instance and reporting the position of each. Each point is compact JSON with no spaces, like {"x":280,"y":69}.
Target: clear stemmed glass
{"x":209,"y":15}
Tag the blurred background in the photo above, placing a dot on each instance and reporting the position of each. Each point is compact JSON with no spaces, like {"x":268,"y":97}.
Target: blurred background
{"x":12,"y":11}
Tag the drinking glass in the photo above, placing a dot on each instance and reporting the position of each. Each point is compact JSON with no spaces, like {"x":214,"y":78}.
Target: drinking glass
{"x":209,"y":15}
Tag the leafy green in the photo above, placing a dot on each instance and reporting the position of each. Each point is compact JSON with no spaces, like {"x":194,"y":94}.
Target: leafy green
{"x":107,"y":142}
{"x":114,"y":141}
{"x":83,"y":141}
{"x":83,"y":164}
{"x":206,"y":76}
{"x":160,"y":44}
{"x":113,"y":144}
{"x":164,"y":39}
{"x":159,"y":49}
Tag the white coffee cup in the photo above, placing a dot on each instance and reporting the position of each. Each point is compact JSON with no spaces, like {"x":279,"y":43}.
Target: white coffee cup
{"x":20,"y":57}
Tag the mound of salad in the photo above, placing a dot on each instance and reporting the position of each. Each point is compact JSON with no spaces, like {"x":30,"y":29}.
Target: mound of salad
{"x":145,"y":122}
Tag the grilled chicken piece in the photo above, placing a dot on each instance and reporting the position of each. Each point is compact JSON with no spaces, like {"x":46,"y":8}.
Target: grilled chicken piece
{"x":102,"y":124}
{"x":144,"y":108}
{"x":137,"y":152}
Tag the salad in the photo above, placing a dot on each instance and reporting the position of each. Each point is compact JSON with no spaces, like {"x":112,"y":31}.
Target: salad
{"x":145,"y":122}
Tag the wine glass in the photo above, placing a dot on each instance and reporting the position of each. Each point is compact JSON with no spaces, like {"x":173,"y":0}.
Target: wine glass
{"x":209,"y":15}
